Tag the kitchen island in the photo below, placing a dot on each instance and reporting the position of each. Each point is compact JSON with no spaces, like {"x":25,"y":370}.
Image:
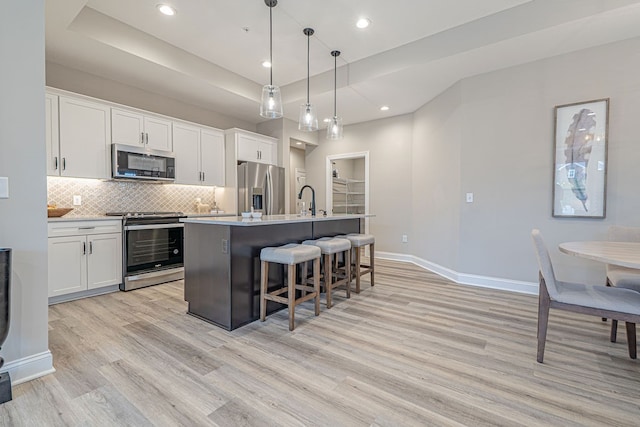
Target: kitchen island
{"x":222,"y":260}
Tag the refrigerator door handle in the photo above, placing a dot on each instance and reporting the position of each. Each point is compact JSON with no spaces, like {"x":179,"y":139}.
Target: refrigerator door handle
{"x":269,"y":192}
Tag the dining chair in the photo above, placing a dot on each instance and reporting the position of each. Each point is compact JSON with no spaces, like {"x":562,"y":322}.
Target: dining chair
{"x":618,"y":276}
{"x":601,"y":301}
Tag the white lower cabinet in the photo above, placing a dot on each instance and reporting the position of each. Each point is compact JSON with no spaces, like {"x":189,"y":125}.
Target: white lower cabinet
{"x":84,"y":256}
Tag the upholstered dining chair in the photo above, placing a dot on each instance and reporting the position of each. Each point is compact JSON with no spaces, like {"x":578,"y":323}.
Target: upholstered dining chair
{"x":622,"y":277}
{"x":613,"y":303}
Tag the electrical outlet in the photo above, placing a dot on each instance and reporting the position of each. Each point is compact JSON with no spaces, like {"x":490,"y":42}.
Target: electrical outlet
{"x":77,"y":200}
{"x":405,"y":239}
{"x":469,"y":197}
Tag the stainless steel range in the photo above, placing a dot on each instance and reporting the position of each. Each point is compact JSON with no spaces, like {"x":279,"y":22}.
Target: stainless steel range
{"x":152,"y":248}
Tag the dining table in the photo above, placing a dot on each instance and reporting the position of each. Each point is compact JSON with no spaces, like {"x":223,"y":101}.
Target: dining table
{"x":624,"y":254}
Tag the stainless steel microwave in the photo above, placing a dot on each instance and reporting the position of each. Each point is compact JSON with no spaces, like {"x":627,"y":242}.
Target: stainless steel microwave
{"x":131,"y":162}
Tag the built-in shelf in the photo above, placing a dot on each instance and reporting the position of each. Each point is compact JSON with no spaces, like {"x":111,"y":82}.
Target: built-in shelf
{"x":348,"y":196}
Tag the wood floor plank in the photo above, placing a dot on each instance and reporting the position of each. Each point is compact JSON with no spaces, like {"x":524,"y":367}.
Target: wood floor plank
{"x":414,"y":350}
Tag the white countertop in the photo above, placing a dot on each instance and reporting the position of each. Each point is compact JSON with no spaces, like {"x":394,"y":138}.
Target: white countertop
{"x":269,"y":219}
{"x":85,"y":218}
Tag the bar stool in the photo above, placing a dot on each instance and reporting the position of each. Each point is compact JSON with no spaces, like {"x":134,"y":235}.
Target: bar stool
{"x":330,"y":247}
{"x":290,"y":255}
{"x":359,"y":242}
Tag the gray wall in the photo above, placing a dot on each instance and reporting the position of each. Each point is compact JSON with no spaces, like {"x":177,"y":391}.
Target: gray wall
{"x":388,"y":142}
{"x":492,"y":135}
{"x":507,"y":159}
{"x":435,"y":180}
{"x":23,"y":223}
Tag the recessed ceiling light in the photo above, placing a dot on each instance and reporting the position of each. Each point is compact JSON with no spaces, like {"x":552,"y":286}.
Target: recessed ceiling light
{"x":165,"y":9}
{"x":363,"y":23}
{"x":384,"y":108}
{"x":298,"y":143}
{"x":266,"y":64}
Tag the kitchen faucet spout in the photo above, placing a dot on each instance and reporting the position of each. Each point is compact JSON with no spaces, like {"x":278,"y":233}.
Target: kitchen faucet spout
{"x":313,"y":198}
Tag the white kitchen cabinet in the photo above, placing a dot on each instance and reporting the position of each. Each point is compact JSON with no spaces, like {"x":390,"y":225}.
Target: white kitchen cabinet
{"x":84,"y":138}
{"x":67,"y":265}
{"x":253,"y":147}
{"x":84,"y":256}
{"x":52,"y":136}
{"x":134,"y":128}
{"x":212,"y":156}
{"x":199,"y":155}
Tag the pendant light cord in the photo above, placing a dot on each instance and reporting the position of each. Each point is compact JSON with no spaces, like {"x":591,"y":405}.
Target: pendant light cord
{"x":271,"y":45}
{"x":308,"y":47}
{"x":335,"y":85}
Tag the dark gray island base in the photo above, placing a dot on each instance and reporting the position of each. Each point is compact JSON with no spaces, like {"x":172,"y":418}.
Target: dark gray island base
{"x":222,"y":261}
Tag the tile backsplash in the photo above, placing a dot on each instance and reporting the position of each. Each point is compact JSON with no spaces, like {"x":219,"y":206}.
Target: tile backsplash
{"x":99,"y":197}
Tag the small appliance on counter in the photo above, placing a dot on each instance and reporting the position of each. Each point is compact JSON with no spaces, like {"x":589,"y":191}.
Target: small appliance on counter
{"x":153,"y":248}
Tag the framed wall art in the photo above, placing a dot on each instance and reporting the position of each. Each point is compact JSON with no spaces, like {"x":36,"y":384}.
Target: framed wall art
{"x":580,"y":159}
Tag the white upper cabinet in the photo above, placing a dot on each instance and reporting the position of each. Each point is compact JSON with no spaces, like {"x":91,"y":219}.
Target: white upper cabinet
{"x":134,"y":128}
{"x":199,"y":155}
{"x":186,"y":146}
{"x":212,"y":157}
{"x":254,"y":147}
{"x":85,"y":138}
{"x":52,"y":136}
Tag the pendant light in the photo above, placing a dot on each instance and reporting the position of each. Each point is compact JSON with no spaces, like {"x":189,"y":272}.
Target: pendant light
{"x":271,"y":102}
{"x":334,"y":129}
{"x":308,"y":121}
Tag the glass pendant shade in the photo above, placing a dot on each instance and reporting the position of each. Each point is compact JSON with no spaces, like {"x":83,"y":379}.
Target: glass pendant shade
{"x":308,"y":120}
{"x":271,"y":103}
{"x":334,"y":128}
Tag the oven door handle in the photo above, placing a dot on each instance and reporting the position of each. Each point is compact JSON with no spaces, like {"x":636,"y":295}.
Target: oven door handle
{"x":152,"y":226}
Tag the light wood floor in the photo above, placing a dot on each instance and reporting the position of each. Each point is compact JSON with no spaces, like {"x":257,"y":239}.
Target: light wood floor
{"x":414,"y":350}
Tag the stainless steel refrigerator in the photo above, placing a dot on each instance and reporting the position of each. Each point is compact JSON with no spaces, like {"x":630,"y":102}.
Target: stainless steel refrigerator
{"x":262,"y":187}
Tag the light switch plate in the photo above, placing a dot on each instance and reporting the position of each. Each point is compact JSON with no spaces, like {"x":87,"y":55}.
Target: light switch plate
{"x":4,"y":187}
{"x":469,"y":197}
{"x":77,"y":200}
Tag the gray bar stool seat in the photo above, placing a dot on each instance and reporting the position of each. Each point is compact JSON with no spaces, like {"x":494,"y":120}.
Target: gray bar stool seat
{"x":330,"y":247}
{"x":358,"y":243}
{"x":290,"y":255}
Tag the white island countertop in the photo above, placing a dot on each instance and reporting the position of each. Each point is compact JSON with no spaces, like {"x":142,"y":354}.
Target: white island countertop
{"x":270,"y":219}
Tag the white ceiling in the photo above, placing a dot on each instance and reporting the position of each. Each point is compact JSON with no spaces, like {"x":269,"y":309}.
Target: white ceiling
{"x":210,"y":53}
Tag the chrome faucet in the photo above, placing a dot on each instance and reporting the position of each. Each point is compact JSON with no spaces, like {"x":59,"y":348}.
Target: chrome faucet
{"x":313,"y":198}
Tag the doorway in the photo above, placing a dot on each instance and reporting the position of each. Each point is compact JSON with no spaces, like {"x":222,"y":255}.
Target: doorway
{"x":348,"y":184}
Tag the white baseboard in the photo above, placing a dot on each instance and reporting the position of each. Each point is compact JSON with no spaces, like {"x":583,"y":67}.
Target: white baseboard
{"x":463,"y":278}
{"x":30,"y":367}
